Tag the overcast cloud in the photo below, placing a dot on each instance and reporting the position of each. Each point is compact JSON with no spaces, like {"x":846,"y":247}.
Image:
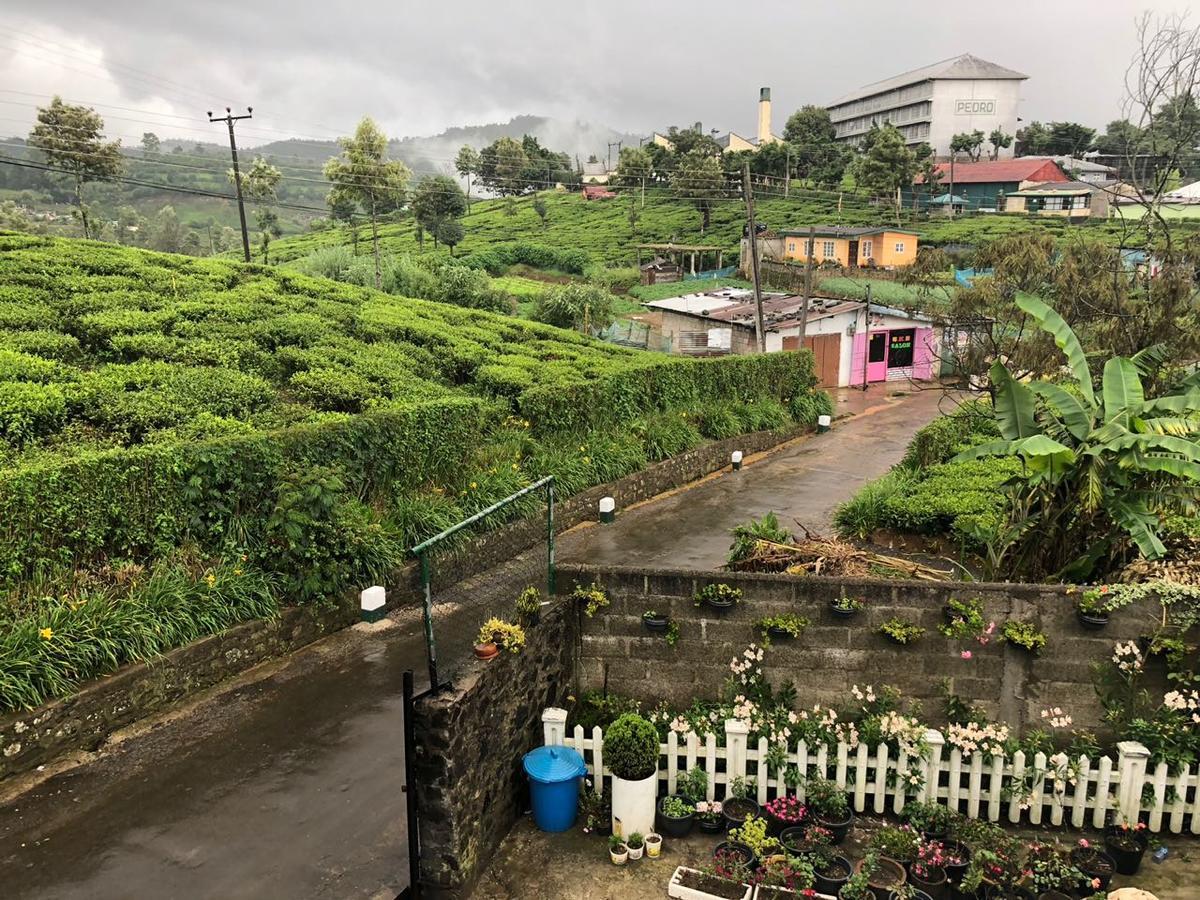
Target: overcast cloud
{"x":311,"y":70}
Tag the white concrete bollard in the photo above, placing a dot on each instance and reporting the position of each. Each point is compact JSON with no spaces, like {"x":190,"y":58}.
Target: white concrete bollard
{"x":736,"y":459}
{"x":823,"y":423}
{"x":608,"y":510}
{"x":373,"y":601}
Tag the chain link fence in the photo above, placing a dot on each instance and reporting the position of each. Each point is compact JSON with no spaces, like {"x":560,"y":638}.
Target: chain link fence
{"x":457,"y":603}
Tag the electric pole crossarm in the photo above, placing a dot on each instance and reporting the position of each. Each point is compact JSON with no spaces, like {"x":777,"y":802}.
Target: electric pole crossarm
{"x":229,"y":119}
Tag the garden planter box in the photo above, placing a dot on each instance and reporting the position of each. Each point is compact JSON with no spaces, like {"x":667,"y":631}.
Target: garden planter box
{"x":633,"y":804}
{"x":692,"y":884}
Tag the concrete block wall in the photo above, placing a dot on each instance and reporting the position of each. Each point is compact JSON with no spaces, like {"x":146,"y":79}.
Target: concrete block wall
{"x":617,"y":653}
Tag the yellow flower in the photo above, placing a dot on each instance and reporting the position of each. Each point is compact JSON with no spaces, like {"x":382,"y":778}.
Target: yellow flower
{"x":210,"y":579}
{"x":587,"y":459}
{"x":474,"y":486}
{"x":583,"y":449}
{"x":237,"y":571}
{"x":46,"y":633}
{"x":515,"y":467}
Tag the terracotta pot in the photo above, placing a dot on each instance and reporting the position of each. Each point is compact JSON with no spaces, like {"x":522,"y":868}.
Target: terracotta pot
{"x":486,"y":651}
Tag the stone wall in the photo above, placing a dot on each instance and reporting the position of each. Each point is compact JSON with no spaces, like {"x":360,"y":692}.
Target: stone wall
{"x":617,"y":652}
{"x":471,"y":738}
{"x":82,"y":721}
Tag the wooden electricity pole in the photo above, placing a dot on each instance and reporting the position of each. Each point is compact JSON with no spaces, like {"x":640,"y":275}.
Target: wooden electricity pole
{"x":229,"y":118}
{"x":759,"y":328}
{"x":812,"y":238}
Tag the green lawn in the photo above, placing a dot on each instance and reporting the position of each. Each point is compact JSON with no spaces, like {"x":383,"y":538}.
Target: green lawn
{"x":882,"y":291}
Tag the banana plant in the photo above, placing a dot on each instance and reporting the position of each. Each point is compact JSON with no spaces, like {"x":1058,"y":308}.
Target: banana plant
{"x":1100,"y":468}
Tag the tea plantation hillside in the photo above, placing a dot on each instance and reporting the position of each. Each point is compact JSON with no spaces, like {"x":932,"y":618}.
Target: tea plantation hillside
{"x":185,"y":443}
{"x":601,"y":228}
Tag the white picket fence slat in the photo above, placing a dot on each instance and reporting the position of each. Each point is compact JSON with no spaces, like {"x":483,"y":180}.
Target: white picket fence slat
{"x":975,"y":785}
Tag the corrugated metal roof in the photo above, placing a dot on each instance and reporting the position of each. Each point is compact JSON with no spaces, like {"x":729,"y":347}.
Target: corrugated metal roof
{"x":845,"y":231}
{"x":956,"y":68}
{"x":1023,"y":168}
{"x":1055,"y":187}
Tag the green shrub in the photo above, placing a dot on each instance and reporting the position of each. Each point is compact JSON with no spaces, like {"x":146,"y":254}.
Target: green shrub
{"x":667,"y":434}
{"x":805,"y":409}
{"x":867,"y":510}
{"x":944,"y":437}
{"x":631,"y":748}
{"x":939,"y":495}
{"x":30,"y":410}
{"x":575,"y":305}
{"x":716,"y":421}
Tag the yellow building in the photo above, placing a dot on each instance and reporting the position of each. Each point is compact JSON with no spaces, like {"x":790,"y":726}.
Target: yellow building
{"x":884,"y":248}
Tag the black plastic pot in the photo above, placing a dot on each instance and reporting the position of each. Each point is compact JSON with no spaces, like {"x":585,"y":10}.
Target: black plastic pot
{"x":738,"y":809}
{"x":1094,"y":864}
{"x":955,"y":872}
{"x":831,"y":882}
{"x":838,"y":829}
{"x":775,"y":825}
{"x":1054,"y":895}
{"x":788,"y":834}
{"x":721,"y":607}
{"x":741,"y":850}
{"x":1092,"y":621}
{"x":674,"y":826}
{"x":839,"y":612}
{"x":936,"y":885}
{"x":1126,"y":852}
{"x":919,"y":895}
{"x":779,"y":634}
{"x":711,"y":826}
{"x":657,"y":623}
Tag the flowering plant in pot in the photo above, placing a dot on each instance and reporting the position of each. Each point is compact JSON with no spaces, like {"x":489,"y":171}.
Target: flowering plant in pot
{"x":1048,"y":869}
{"x":505,"y":635}
{"x":884,"y":875}
{"x":845,"y":607}
{"x":898,"y":842}
{"x":1096,"y":865}
{"x":815,"y":844}
{"x":709,"y":817}
{"x":529,"y":606}
{"x":930,"y":818}
{"x":732,"y":858}
{"x":1092,"y":607}
{"x":928,"y":870}
{"x":675,"y":816}
{"x":784,"y":812}
{"x":1126,"y":844}
{"x":655,"y":621}
{"x":739,"y":805}
{"x":753,"y":834}
{"x":784,"y":627}
{"x":784,"y":872}
{"x":617,"y":851}
{"x":631,"y":754}
{"x":720,"y":597}
{"x":857,"y":887}
{"x":898,"y":631}
{"x":829,"y":806}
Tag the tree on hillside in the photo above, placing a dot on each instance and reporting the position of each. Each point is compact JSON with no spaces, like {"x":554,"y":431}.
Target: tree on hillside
{"x":1033,"y":140}
{"x":634,"y":166}
{"x":698,"y":178}
{"x":816,"y":154}
{"x":438,"y":201}
{"x":927,"y":168}
{"x":150,"y":143}
{"x":886,"y":165}
{"x":450,"y":232}
{"x":999,"y":141}
{"x":364,"y":176}
{"x":968,"y":142}
{"x":131,"y":227}
{"x":539,"y":207}
{"x":267,"y":221}
{"x":685,"y":141}
{"x":1069,"y":139}
{"x":467,"y":164}
{"x":586,"y":307}
{"x":1120,"y":136}
{"x":72,"y":139}
{"x":343,"y":208}
{"x":260,"y":184}
{"x":771,"y":159}
{"x":166,"y":234}
{"x":502,"y":166}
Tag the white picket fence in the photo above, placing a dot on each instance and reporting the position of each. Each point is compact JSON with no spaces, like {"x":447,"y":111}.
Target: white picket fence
{"x":975,"y":786}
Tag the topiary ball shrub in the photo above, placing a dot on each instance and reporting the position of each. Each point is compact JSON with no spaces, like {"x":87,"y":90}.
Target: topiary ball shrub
{"x":631,"y":748}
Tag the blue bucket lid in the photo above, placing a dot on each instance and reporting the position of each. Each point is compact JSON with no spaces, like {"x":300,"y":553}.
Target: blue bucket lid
{"x":551,"y":765}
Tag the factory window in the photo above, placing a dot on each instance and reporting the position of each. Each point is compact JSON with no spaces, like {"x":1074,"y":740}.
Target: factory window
{"x":827,"y":249}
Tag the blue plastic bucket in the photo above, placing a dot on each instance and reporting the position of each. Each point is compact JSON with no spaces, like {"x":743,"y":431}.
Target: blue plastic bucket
{"x":554,"y":774}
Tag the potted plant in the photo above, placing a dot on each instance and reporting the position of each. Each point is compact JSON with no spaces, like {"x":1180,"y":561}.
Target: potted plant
{"x":783,"y":877}
{"x":617,"y":851}
{"x":715,"y":880}
{"x":927,"y":871}
{"x":709,"y":817}
{"x":785,"y":627}
{"x":739,"y":805}
{"x":964,"y":619}
{"x":1046,"y":869}
{"x":1092,"y":608}
{"x":631,"y":754}
{"x":636,"y":844}
{"x":884,"y":875}
{"x":653,"y":845}
{"x":1024,"y":635}
{"x":845,"y":607}
{"x":592,"y":598}
{"x":783,"y":812}
{"x":505,"y":635}
{"x":719,"y":597}
{"x":1096,"y":865}
{"x":956,"y":858}
{"x":675,"y":816}
{"x":829,"y":806}
{"x":908,"y":892}
{"x":898,"y":631}
{"x":1126,"y":844}
{"x":898,"y":842}
{"x":736,"y":855}
{"x":529,"y":606}
{"x":486,"y":649}
{"x":858,"y":885}
{"x":655,"y":621}
{"x":815,"y":844}
{"x":930,"y":818}
{"x":595,"y":810}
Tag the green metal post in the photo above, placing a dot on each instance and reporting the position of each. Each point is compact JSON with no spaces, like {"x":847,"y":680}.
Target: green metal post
{"x":550,"y":539}
{"x":432,"y":650}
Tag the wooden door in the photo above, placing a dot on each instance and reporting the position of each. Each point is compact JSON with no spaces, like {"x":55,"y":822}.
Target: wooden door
{"x":827,"y":355}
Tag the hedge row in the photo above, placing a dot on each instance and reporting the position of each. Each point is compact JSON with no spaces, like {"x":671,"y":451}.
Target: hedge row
{"x":498,"y":257}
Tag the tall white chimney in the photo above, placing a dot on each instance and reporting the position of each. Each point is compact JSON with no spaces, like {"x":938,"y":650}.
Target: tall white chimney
{"x":764,"y":115}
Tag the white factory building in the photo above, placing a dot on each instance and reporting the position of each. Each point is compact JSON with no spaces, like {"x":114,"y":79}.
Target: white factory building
{"x":935,"y":103}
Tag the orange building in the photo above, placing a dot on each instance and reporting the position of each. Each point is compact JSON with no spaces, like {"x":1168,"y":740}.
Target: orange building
{"x":885,"y":248}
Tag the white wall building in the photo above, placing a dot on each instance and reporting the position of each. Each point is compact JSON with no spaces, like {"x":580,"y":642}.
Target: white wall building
{"x":935,"y":103}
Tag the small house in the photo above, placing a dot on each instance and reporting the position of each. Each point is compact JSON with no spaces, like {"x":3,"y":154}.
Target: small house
{"x":1070,"y":199}
{"x":865,"y":247}
{"x":659,"y":271}
{"x":982,"y":184}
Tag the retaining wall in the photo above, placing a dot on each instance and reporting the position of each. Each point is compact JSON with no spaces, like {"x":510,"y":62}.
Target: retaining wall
{"x":833,"y":654}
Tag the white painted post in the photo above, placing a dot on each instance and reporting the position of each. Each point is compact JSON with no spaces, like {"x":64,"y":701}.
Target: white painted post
{"x":1160,"y":796}
{"x":373,"y":603}
{"x":554,"y":726}
{"x":672,"y":760}
{"x":881,"y":778}
{"x":736,"y":737}
{"x":710,"y":766}
{"x":598,"y":760}
{"x":763,"y":774}
{"x":933,"y":765}
{"x":1039,"y":785}
{"x":1018,"y":772}
{"x":1132,"y":759}
{"x":1103,"y":791}
{"x":995,"y":783}
{"x":608,"y":510}
{"x":860,"y":776}
{"x":1079,"y":795}
{"x":954,"y":789}
{"x":735,"y":458}
{"x":1180,"y":805}
{"x":976,"y":776}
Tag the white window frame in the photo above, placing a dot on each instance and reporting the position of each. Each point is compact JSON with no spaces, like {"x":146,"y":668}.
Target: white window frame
{"x":828,"y":249}
{"x":791,"y":246}
{"x":899,"y":246}
{"x":866,"y":249}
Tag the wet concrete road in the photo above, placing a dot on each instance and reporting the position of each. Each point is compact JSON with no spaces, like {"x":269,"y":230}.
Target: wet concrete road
{"x":286,"y":782}
{"x":803,"y":482}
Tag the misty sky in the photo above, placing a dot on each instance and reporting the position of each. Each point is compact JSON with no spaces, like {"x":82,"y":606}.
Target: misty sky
{"x":310,"y":70}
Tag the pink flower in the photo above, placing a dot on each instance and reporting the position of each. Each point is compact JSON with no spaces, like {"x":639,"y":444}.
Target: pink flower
{"x":1083,"y":842}
{"x":966,"y":654}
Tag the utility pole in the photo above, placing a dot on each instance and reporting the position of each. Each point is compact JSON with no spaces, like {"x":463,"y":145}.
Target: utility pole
{"x":759,"y":328}
{"x":866,"y":337}
{"x":787,"y":177}
{"x":812,"y":238}
{"x":229,"y":118}
{"x":951,"y":207}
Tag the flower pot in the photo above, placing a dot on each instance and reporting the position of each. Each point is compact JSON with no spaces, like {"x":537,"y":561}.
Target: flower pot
{"x":956,"y":870}
{"x":656,"y":623}
{"x":837,"y":828}
{"x":653,"y":845}
{"x":692,"y":884}
{"x":738,"y":809}
{"x":839,"y":612}
{"x":918,"y":895}
{"x":933,"y":882}
{"x":1095,"y":864}
{"x":633,"y":805}
{"x":1126,"y":851}
{"x":711,"y":824}
{"x":674,"y":826}
{"x":887,"y":877}
{"x":619,"y":858}
{"x":1092,"y":621}
{"x":788,"y":835}
{"x":486,"y":651}
{"x":636,"y":852}
{"x":720,"y":607}
{"x":741,"y":850}
{"x":779,"y":634}
{"x":775,"y":824}
{"x":830,"y":881}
